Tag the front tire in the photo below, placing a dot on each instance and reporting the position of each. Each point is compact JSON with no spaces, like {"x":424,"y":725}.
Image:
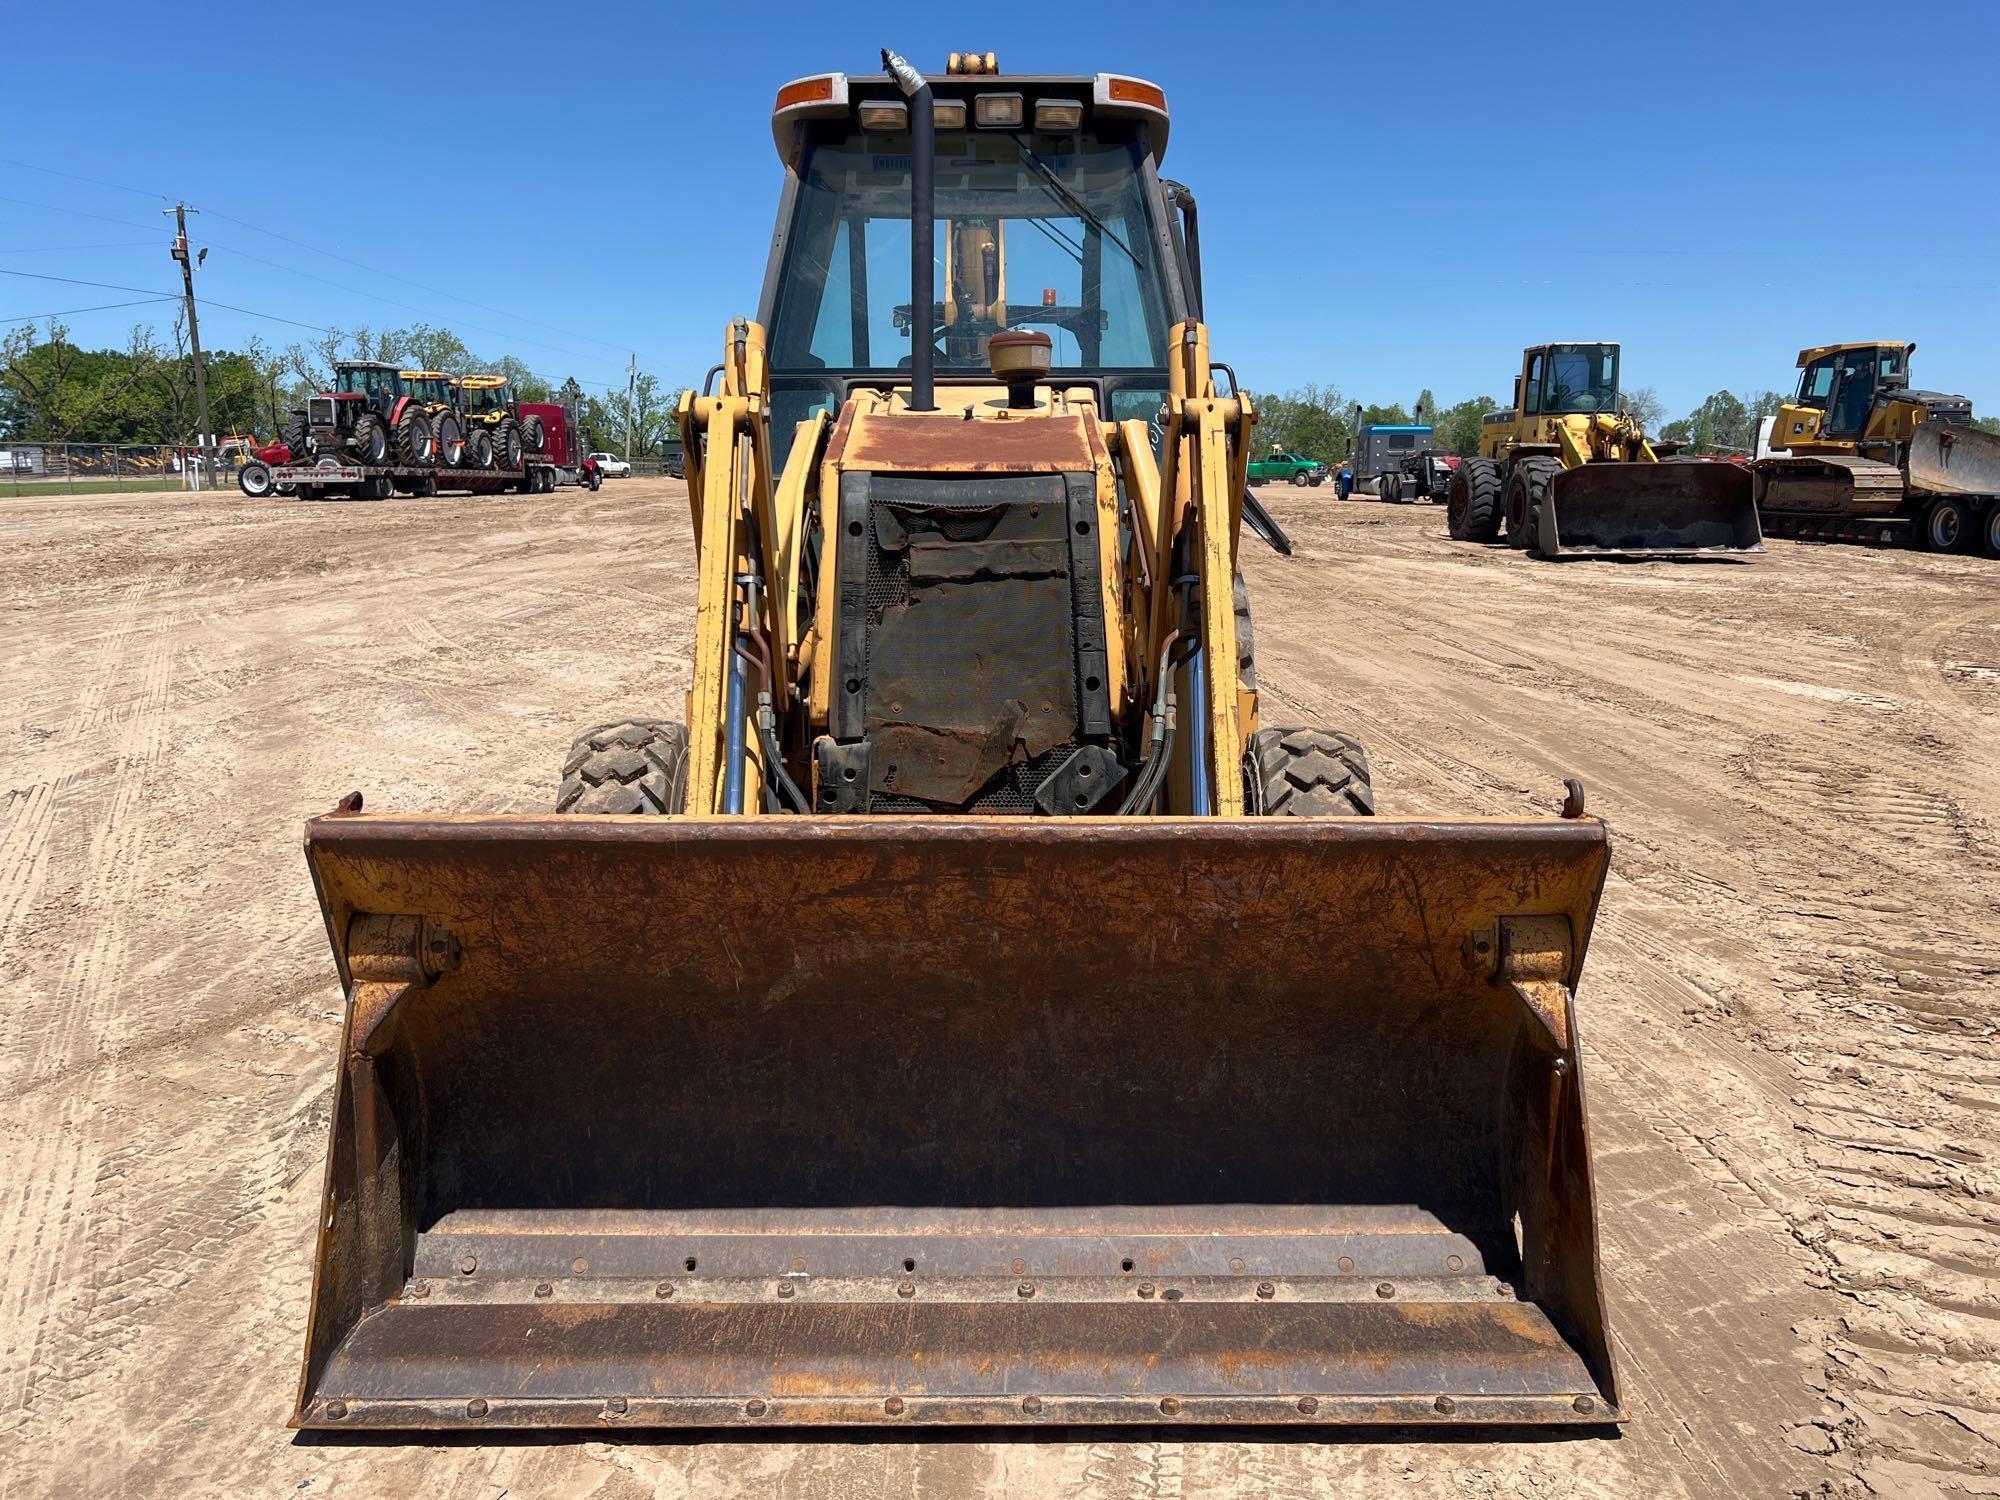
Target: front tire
{"x":1943,"y":526}
{"x":254,"y":479}
{"x":369,"y":440}
{"x":1306,"y":773}
{"x":297,"y":432}
{"x":1472,"y":504}
{"x":450,"y":439}
{"x":1301,"y":479}
{"x":508,"y":451}
{"x":479,"y":449}
{"x":416,"y":443}
{"x":630,"y":766}
{"x":1527,"y":492}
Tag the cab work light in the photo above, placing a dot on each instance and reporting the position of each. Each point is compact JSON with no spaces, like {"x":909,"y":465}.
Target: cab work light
{"x":1058,"y":116}
{"x":949,"y":114}
{"x":883,"y":116}
{"x":998,"y":111}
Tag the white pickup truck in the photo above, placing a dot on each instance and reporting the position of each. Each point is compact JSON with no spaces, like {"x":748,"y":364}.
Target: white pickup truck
{"x":611,"y":466}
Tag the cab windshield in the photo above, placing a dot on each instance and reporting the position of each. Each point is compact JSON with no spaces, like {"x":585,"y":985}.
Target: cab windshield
{"x":368,"y":382}
{"x":1050,"y":233}
{"x":1582,"y":378}
{"x":481,"y":399}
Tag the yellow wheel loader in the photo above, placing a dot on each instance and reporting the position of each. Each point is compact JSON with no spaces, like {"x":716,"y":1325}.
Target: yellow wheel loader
{"x":1568,"y":473}
{"x":969,"y":1011}
{"x":1862,"y":457}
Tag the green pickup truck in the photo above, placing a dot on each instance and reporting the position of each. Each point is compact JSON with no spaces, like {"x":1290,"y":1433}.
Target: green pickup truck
{"x":1275,"y":468}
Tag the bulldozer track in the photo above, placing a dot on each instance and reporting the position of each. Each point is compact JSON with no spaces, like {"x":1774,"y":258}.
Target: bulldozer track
{"x":1789,"y":1010}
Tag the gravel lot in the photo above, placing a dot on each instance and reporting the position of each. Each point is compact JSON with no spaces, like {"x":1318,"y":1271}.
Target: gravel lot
{"x":1789,"y":1009}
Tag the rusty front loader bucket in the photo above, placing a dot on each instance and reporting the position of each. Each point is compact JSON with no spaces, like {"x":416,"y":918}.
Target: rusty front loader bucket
{"x":754,"y":1122}
{"x":1671,"y":509}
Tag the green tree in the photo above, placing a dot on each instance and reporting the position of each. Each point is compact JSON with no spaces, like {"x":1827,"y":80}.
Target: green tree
{"x":1311,"y":420}
{"x":54,"y":390}
{"x":1458,"y":426}
{"x":431,"y":348}
{"x":1724,"y":423}
{"x":527,"y":384}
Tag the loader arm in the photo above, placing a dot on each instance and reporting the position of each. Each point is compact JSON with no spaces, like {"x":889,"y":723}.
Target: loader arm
{"x":737,"y":529}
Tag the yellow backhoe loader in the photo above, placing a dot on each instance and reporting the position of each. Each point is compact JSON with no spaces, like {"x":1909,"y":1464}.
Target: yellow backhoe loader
{"x":970,"y":1011}
{"x":1572,"y":475}
{"x":1862,"y":457}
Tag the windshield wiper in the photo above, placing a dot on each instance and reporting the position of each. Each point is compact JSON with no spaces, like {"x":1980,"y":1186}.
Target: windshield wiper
{"x":1082,"y":209}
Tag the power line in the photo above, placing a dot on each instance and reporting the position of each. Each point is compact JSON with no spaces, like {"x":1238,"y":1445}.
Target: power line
{"x":604,"y":385}
{"x":109,"y":286}
{"x":69,"y":312}
{"x":78,"y":177}
{"x":420,"y":286}
{"x":55,"y":249}
{"x":352,"y":291}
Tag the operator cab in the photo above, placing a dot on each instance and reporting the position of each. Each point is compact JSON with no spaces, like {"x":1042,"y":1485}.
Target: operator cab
{"x":1051,"y":218}
{"x":1569,"y":379}
{"x":368,"y":378}
{"x":1842,"y":383}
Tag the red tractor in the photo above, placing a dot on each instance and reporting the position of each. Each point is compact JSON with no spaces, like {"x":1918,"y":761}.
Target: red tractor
{"x":372,"y":416}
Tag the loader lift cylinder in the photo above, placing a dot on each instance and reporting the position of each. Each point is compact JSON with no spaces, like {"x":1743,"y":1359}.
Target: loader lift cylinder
{"x":923,"y":226}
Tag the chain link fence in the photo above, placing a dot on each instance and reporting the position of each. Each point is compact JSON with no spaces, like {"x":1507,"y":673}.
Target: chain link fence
{"x":31,"y":468}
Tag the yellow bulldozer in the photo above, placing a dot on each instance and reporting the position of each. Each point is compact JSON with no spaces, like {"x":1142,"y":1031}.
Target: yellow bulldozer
{"x":1863,"y":457}
{"x":969,"y":1010}
{"x":1569,"y":473}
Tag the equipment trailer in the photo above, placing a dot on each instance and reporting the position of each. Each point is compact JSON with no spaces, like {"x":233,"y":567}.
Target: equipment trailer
{"x":559,"y":461}
{"x":330,"y":479}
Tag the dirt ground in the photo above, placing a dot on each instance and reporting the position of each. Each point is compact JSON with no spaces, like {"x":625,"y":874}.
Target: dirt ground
{"x":1789,"y":1010}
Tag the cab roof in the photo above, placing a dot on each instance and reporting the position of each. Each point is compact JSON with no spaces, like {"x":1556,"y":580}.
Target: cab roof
{"x":1104,"y":95}
{"x":1807,"y":356}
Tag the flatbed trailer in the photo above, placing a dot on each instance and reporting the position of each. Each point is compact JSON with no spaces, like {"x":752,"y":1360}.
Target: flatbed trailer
{"x":329,"y":480}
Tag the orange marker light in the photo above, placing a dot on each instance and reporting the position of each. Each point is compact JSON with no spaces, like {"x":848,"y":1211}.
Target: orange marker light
{"x":1136,"y":91}
{"x":805,"y":91}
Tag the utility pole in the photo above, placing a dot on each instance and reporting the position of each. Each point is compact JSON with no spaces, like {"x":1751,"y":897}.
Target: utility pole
{"x":203,"y":438}
{"x":631,"y":378}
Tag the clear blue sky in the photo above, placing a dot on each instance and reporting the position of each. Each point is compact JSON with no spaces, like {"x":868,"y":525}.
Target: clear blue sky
{"x":1392,"y":199}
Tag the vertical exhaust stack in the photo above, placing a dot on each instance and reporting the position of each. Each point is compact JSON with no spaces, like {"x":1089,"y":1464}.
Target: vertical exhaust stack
{"x":923,"y":228}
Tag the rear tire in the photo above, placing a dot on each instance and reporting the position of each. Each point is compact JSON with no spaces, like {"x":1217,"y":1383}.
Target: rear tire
{"x":1472,"y":505}
{"x":1527,"y":489}
{"x":416,"y":443}
{"x":369,"y":440}
{"x":1943,"y":526}
{"x":631,"y":766}
{"x":479,"y":449}
{"x":534,"y":435}
{"x":1989,"y":534}
{"x":1306,"y":773}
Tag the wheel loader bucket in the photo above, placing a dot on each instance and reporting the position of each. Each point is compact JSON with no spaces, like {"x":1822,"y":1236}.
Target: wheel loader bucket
{"x":1671,"y":509}
{"x":751,"y":1122}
